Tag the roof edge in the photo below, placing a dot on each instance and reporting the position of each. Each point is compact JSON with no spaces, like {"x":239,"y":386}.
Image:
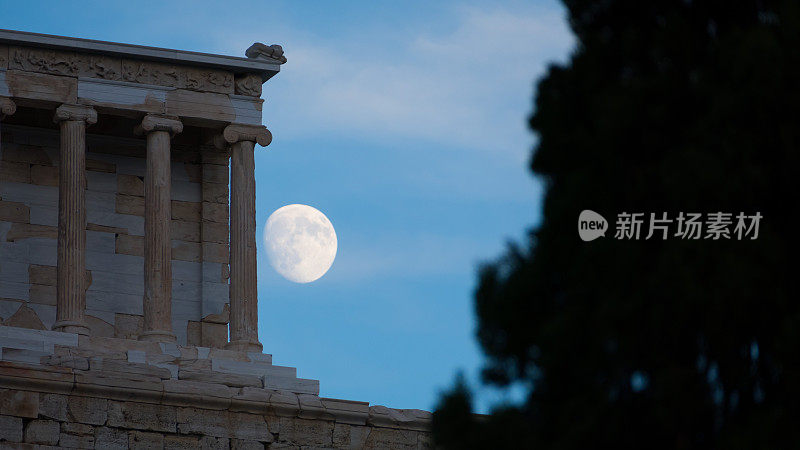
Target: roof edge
{"x":235,"y":64}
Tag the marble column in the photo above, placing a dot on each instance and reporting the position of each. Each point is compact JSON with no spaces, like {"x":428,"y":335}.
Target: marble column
{"x":243,"y":290}
{"x":157,"y":218}
{"x":70,"y":273}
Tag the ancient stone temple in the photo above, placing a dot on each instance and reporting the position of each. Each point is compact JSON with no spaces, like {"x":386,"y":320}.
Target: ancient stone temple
{"x":128,"y":301}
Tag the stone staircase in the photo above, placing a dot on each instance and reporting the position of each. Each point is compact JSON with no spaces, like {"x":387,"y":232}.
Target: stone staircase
{"x":124,"y":392}
{"x":148,"y":359}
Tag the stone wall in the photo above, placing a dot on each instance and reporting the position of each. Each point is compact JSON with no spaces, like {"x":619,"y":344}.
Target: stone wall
{"x":61,"y":389}
{"x":115,"y":228}
{"x":89,"y":422}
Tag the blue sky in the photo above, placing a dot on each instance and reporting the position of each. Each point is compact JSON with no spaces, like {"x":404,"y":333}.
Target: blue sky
{"x":403,"y":122}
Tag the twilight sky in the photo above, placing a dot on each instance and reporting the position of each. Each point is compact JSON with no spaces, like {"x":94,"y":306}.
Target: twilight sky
{"x":405,"y":124}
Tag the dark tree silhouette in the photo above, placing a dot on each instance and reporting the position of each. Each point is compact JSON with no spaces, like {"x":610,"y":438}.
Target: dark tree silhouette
{"x":664,"y":106}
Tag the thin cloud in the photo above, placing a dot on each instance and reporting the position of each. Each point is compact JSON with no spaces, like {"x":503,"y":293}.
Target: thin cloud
{"x":468,"y":87}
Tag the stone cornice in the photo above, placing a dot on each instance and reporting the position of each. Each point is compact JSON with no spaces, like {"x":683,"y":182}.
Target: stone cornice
{"x":153,"y":122}
{"x":234,"y":133}
{"x":265,"y":67}
{"x":68,"y":112}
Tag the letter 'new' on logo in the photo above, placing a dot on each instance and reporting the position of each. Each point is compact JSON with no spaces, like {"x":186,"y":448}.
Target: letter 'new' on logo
{"x":591,"y":225}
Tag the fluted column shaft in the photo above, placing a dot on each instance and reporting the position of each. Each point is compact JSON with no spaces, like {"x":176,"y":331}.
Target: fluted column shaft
{"x":243,"y":290}
{"x":70,"y":273}
{"x":157,"y":301}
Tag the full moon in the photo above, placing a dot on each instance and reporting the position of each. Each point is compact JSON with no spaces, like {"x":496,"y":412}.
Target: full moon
{"x":301,"y":243}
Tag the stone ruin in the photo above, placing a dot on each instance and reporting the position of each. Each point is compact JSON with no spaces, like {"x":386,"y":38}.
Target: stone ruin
{"x":127,"y":258}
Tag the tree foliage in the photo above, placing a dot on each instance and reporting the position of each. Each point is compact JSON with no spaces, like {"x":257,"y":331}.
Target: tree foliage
{"x":665,"y":106}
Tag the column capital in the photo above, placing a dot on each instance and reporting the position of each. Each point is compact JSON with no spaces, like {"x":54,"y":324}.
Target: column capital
{"x":235,"y":132}
{"x":157,"y":122}
{"x":7,"y":107}
{"x":67,"y":112}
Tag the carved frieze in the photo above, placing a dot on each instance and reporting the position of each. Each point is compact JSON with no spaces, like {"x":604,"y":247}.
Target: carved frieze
{"x":93,"y":66}
{"x":56,"y":62}
{"x":248,"y":84}
{"x":205,"y":80}
{"x":42,"y":61}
